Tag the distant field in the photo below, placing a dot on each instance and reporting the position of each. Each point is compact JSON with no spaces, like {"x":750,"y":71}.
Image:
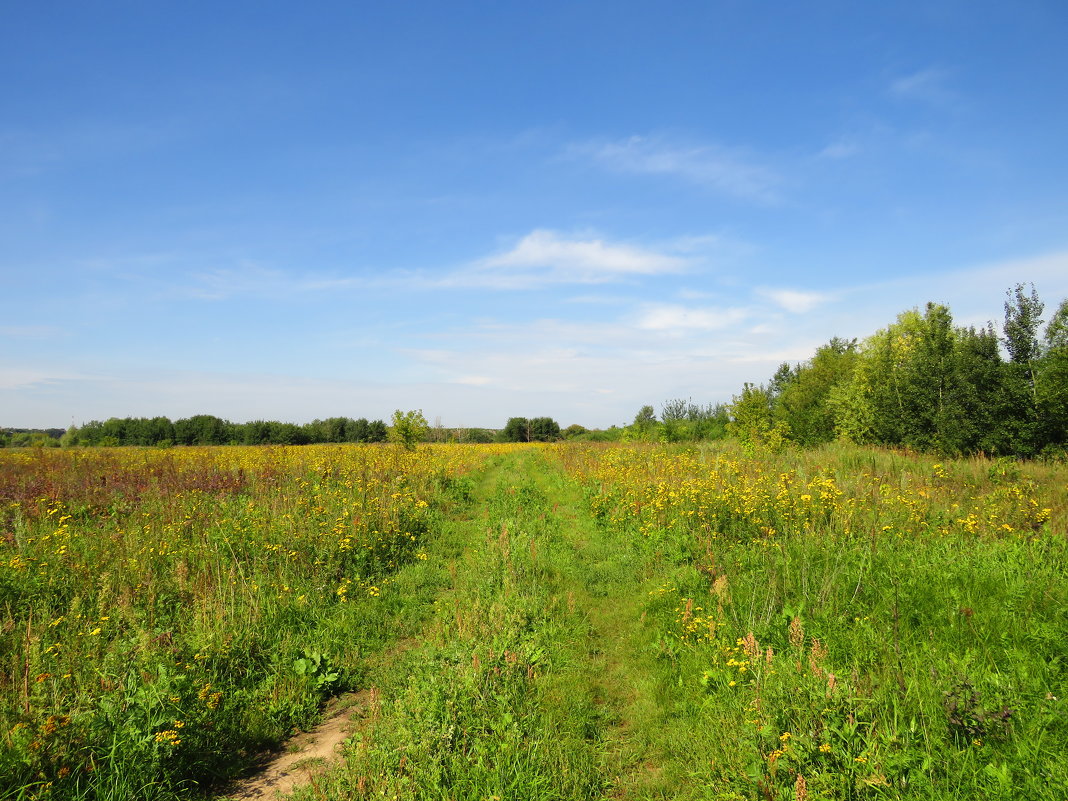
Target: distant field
{"x":538,"y":622}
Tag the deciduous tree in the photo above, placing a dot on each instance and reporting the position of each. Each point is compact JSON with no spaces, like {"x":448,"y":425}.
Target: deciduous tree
{"x":409,"y":428}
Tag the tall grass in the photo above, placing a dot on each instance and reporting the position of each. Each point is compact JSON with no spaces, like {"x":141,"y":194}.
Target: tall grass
{"x":588,"y":622}
{"x":852,"y":623}
{"x":488,"y":706}
{"x":164,"y":615}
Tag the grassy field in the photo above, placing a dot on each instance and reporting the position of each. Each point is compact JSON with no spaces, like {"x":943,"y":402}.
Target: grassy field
{"x":538,"y":622}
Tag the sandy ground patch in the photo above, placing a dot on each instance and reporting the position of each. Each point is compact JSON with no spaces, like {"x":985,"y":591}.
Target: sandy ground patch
{"x":305,"y":755}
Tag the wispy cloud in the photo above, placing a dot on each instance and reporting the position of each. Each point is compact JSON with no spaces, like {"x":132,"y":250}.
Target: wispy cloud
{"x":670,"y":318}
{"x":697,"y":294}
{"x":29,"y":152}
{"x":928,"y":85}
{"x":974,"y":293}
{"x":593,"y":372}
{"x":543,"y":258}
{"x":213,"y":276}
{"x":655,"y":352}
{"x":598,"y":300}
{"x":23,"y":376}
{"x":840,"y":149}
{"x":31,"y":331}
{"x":793,"y":300}
{"x":724,"y":170}
{"x":250,"y":279}
{"x":226,"y":282}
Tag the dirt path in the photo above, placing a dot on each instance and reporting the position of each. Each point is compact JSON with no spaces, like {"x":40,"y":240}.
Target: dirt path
{"x":306,"y":755}
{"x":310,"y":754}
{"x":528,"y":549}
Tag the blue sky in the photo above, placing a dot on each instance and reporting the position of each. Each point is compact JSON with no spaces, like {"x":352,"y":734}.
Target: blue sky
{"x":483,"y":210}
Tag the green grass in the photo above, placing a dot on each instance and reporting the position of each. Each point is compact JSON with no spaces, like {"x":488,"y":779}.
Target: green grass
{"x":573,"y":654}
{"x":580,"y":622}
{"x":494,"y":702}
{"x":166,"y":616}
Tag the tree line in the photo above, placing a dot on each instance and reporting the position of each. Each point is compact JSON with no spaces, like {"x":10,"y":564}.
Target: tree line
{"x":922,"y":383}
{"x":30,"y":437}
{"x":406,"y":428}
{"x":207,"y":429}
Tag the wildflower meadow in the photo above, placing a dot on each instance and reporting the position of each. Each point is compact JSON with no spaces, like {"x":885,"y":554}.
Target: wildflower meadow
{"x":535,"y":621}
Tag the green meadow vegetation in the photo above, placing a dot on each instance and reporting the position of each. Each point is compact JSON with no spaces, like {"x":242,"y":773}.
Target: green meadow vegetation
{"x":536,"y":621}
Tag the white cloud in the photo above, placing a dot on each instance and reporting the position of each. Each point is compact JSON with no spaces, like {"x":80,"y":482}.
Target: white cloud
{"x":706,"y":350}
{"x":602,"y":373}
{"x":674,"y":318}
{"x":547,"y":249}
{"x":597,"y":300}
{"x":541,"y":258}
{"x":545,"y":257}
{"x":604,"y":336}
{"x":979,"y":289}
{"x":697,"y":294}
{"x":577,"y":369}
{"x":706,"y":243}
{"x":26,"y":377}
{"x":724,"y":170}
{"x":793,"y":300}
{"x":769,"y":359}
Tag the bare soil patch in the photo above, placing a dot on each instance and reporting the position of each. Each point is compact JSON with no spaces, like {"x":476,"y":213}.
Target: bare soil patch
{"x":305,"y":755}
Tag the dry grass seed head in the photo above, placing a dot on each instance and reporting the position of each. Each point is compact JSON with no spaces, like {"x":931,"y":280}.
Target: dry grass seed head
{"x":751,"y":646}
{"x":816,"y":657}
